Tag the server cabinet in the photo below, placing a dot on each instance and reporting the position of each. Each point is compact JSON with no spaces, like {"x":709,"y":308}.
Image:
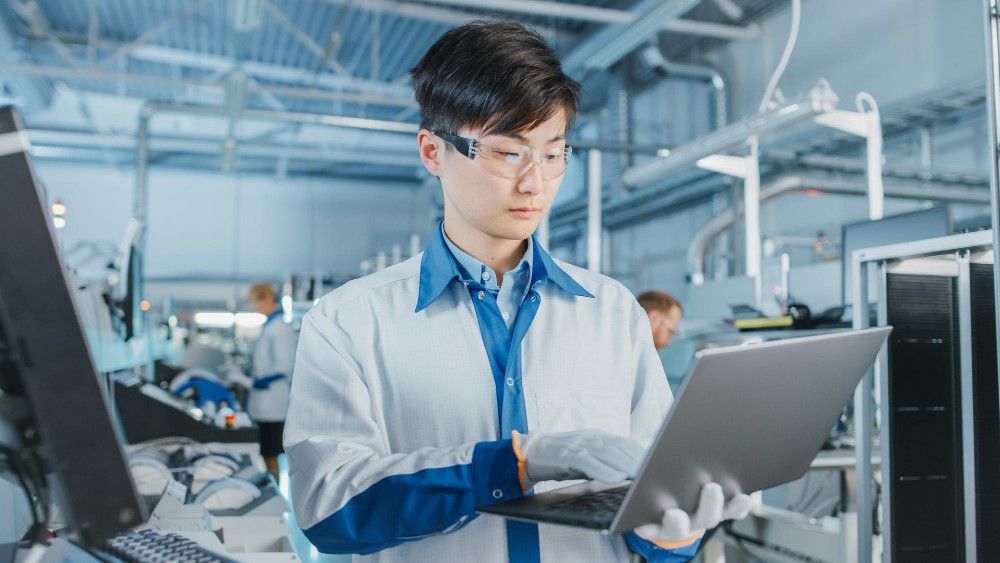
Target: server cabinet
{"x":925,"y":475}
{"x":937,"y":395}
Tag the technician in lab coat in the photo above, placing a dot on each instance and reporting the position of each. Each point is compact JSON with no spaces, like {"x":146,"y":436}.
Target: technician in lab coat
{"x":271,"y":370}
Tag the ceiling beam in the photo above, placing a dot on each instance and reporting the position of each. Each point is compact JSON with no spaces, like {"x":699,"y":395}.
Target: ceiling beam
{"x":152,"y":33}
{"x":272,"y":72}
{"x":304,"y":93}
{"x":595,"y":14}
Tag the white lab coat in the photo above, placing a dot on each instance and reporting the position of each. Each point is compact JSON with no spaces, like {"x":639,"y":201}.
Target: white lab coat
{"x":273,"y":353}
{"x":385,"y":395}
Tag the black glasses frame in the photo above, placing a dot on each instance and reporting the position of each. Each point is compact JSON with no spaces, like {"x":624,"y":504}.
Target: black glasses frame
{"x":463,"y":145}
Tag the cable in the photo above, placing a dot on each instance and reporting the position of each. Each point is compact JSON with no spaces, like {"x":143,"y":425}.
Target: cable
{"x":793,"y":35}
{"x":863,"y":97}
{"x":35,"y":532}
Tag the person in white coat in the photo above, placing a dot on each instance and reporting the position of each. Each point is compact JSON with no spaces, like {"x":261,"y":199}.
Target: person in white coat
{"x":482,"y":369}
{"x":271,"y":371}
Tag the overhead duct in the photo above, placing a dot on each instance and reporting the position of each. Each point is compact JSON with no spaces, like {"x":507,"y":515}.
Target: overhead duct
{"x":652,"y":64}
{"x":702,"y":240}
{"x":616,"y":41}
{"x":819,"y":100}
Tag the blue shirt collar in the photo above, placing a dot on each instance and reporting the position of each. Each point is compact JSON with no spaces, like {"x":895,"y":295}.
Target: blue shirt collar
{"x":277,"y":313}
{"x":471,"y":270}
{"x":438,"y":267}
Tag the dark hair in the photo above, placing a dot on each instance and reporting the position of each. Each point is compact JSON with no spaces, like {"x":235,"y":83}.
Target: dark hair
{"x":495,"y":76}
{"x":659,"y":301}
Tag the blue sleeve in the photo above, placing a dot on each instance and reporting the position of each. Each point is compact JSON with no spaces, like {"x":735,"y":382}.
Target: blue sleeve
{"x":180,"y":390}
{"x":656,"y":554}
{"x":409,"y":507}
{"x":264,"y":382}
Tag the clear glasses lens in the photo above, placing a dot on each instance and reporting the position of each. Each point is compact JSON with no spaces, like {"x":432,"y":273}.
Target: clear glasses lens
{"x":514,"y":162}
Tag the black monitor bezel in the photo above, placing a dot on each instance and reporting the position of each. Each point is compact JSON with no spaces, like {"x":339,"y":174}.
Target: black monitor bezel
{"x":79,"y":436}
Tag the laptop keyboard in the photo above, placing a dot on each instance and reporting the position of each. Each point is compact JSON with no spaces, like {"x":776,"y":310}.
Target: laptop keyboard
{"x":603,"y":504}
{"x":147,"y":545}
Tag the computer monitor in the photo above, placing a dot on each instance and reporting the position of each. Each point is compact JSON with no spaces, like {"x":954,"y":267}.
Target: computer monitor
{"x":54,"y":414}
{"x":126,"y":294}
{"x":905,"y":227}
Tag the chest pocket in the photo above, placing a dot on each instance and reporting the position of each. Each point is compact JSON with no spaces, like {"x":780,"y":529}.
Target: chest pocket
{"x":569,"y":410}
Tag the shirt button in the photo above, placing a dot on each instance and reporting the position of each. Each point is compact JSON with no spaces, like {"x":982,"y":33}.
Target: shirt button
{"x":487,"y":276}
{"x":532,"y":298}
{"x":482,"y":295}
{"x":506,"y":316}
{"x":510,"y":381}
{"x":497,"y":493}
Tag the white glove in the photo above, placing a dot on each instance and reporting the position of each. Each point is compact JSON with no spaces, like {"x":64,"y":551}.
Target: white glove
{"x":583,"y":454}
{"x":678,"y":525}
{"x":234,"y":375}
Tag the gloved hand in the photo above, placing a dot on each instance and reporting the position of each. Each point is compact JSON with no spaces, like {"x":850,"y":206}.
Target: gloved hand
{"x":583,"y":454}
{"x":234,"y":375}
{"x":678,"y":525}
{"x":265,"y":382}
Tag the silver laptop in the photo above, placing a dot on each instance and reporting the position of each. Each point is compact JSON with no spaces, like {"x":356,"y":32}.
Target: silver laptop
{"x":747,"y":417}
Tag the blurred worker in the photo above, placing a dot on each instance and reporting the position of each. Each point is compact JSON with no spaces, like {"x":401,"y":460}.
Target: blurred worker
{"x":483,"y":368}
{"x":271,"y":370}
{"x":664,"y":314}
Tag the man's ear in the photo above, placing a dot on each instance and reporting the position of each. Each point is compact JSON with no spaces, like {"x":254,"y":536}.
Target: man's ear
{"x":654,"y":316}
{"x":431,"y":150}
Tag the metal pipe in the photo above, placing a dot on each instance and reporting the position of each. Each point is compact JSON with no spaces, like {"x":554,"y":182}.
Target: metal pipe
{"x":703,"y":239}
{"x":749,"y":32}
{"x":853,"y":165}
{"x":863,"y":417}
{"x":546,"y":8}
{"x":728,"y":7}
{"x":710,"y":76}
{"x":751,"y":220}
{"x":599,"y":15}
{"x":615,"y":147}
{"x":291,"y":92}
{"x":968,"y":404}
{"x":819,"y":100}
{"x":333,"y":120}
{"x":623,"y":211}
{"x":46,"y":139}
{"x":654,"y":60}
{"x":594,"y":211}
{"x":992,"y":22}
{"x":612,"y":43}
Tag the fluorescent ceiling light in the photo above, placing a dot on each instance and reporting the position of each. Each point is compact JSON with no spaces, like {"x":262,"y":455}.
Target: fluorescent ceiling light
{"x":214,"y":319}
{"x":250,"y":320}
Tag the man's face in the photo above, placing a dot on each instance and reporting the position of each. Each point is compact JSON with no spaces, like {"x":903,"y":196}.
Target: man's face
{"x":479,"y":202}
{"x":261,"y":305}
{"x":664,"y":326}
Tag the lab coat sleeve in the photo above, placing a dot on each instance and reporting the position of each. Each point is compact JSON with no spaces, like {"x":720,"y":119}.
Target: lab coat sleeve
{"x":283,"y":348}
{"x":651,"y":399}
{"x":350,"y":492}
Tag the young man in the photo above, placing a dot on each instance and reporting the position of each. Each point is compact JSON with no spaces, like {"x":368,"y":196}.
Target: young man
{"x":664,"y":314}
{"x":482,"y":368}
{"x":271,"y":370}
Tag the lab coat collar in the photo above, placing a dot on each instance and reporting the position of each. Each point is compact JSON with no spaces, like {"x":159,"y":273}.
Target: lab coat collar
{"x":277,"y":313}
